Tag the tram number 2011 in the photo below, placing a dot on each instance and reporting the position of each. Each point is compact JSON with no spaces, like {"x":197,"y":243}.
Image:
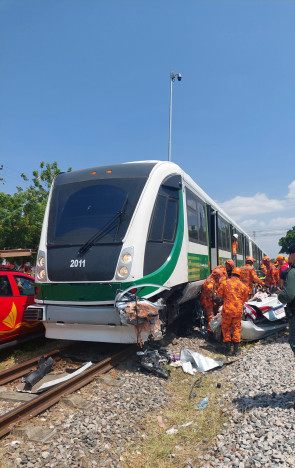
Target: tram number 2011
{"x":77,"y":263}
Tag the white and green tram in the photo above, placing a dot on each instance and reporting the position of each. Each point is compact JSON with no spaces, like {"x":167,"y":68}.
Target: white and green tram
{"x":142,"y":225}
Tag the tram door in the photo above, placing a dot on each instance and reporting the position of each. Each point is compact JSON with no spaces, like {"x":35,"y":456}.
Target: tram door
{"x":212,"y":232}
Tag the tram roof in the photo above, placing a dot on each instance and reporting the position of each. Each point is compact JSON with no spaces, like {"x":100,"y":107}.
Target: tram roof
{"x":126,"y":170}
{"x":134,"y":169}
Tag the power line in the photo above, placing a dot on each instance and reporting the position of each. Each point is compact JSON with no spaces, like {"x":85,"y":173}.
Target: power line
{"x":267,"y":233}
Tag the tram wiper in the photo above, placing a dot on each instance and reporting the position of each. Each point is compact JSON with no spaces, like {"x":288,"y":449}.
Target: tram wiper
{"x":122,"y":213}
{"x":114,"y":222}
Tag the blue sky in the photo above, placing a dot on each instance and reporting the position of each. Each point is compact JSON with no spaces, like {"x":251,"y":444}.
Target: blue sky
{"x":86,"y":82}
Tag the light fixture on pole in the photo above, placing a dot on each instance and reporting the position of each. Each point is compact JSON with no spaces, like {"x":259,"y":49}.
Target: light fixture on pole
{"x":172,"y":78}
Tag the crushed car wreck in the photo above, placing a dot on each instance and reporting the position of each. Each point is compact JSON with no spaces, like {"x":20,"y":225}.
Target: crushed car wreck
{"x":263,"y":315}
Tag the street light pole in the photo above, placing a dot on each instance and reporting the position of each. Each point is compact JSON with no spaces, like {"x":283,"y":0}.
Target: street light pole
{"x":172,"y":78}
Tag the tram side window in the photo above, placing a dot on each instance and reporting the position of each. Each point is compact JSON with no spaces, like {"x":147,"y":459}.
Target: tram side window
{"x":224,"y":238}
{"x":196,"y":219}
{"x":247,"y":250}
{"x":165,"y":216}
{"x":163,"y":228}
{"x":255,"y":255}
{"x":156,"y":231}
{"x":240,"y":244}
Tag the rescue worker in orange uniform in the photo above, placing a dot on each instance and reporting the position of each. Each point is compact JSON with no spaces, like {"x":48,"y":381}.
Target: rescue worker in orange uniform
{"x":262,"y":267}
{"x":249,"y":276}
{"x":227,"y":268}
{"x":208,"y":293}
{"x":235,"y":248}
{"x":234,"y":293}
{"x":272,"y":275}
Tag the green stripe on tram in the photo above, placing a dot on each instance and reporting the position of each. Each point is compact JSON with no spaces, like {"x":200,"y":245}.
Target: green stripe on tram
{"x":198,"y":266}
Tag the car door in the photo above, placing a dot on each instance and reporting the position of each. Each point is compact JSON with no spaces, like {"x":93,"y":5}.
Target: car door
{"x":8,"y":309}
{"x":16,"y":293}
{"x":24,"y":290}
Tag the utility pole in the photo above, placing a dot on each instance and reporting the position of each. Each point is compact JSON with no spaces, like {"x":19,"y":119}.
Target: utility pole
{"x":172,"y":78}
{"x":254,"y":235}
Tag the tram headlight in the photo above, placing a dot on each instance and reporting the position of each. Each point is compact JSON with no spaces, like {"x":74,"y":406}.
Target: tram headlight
{"x":124,"y":265}
{"x":126,"y":258}
{"x":41,"y":261}
{"x":123,"y":271}
{"x":42,"y":274}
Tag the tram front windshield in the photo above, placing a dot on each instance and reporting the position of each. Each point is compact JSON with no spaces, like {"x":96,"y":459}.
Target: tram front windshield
{"x":99,"y":208}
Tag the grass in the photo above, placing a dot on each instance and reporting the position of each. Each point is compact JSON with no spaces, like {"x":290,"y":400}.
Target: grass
{"x":157,"y":448}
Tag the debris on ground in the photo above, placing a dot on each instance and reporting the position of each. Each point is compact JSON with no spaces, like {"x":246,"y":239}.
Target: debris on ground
{"x":44,"y":367}
{"x":50,"y":380}
{"x":172,"y":430}
{"x":196,"y":362}
{"x":153,"y":360}
{"x":202,"y":404}
{"x":196,"y":384}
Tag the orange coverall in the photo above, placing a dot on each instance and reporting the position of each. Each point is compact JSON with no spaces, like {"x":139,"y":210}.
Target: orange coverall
{"x":234,"y":294}
{"x":248,"y":277}
{"x":235,"y":247}
{"x":208,"y":294}
{"x":272,"y":275}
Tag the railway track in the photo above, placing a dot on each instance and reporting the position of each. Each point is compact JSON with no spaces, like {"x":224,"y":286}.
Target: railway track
{"x":51,"y":397}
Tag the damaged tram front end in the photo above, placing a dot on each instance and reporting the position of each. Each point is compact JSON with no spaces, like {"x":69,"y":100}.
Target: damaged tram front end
{"x":111,"y":253}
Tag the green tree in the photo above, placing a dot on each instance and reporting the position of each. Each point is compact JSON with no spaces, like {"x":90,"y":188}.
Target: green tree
{"x":289,"y":239}
{"x":21,"y":214}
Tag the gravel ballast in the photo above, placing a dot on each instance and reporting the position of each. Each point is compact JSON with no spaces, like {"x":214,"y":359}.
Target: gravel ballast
{"x":258,"y":401}
{"x":259,"y":404}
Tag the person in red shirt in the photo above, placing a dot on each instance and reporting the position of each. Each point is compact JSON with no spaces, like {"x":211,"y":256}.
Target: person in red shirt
{"x":282,"y":265}
{"x":234,"y":294}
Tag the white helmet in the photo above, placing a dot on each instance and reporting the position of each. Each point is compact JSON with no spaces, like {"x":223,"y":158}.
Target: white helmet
{"x":235,"y":235}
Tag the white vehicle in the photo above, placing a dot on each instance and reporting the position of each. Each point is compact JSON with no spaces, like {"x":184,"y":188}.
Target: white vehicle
{"x":143,"y":225}
{"x":264,"y":315}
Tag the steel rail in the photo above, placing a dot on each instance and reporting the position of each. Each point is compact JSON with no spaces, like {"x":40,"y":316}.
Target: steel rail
{"x":15,"y":372}
{"x":49,"y":398}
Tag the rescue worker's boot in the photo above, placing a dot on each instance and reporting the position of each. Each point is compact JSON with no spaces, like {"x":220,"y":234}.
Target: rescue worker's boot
{"x":231,"y":352}
{"x":237,"y":351}
{"x":227,"y":348}
{"x":210,"y":335}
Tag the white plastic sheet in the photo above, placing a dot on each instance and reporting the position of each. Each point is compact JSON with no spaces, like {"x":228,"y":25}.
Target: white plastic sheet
{"x":192,"y":362}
